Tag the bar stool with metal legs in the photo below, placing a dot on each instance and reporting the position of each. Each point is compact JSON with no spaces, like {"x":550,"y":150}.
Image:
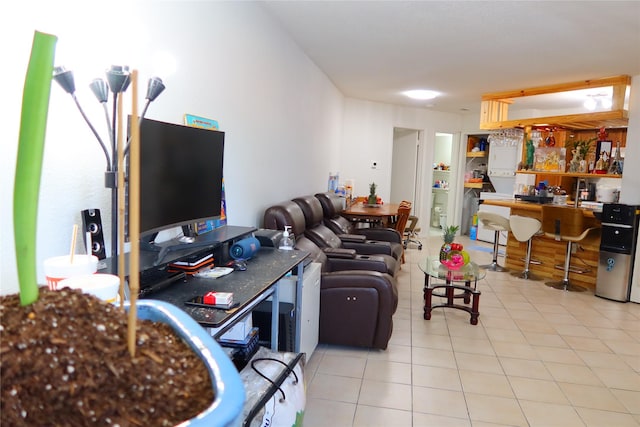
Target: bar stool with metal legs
{"x":523,"y":229}
{"x":497,"y":223}
{"x":565,"y":224}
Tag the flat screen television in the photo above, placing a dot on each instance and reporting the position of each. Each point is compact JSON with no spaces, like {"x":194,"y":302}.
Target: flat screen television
{"x":180,"y":177}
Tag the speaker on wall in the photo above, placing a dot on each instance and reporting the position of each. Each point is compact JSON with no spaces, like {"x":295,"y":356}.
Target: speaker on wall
{"x":92,"y":223}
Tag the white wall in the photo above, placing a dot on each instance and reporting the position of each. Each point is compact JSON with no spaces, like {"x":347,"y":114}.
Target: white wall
{"x":368,"y":135}
{"x":442,"y":151}
{"x":281,"y":114}
{"x":629,"y":193}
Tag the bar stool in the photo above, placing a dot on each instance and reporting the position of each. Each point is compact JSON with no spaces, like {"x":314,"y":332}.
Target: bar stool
{"x":498,"y":223}
{"x":523,"y":229}
{"x":565,"y":224}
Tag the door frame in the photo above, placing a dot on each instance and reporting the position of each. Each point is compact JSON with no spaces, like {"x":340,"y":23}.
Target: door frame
{"x":417,"y":169}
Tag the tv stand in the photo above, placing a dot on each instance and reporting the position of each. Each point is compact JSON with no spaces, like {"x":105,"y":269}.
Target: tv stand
{"x":150,"y":250}
{"x":173,"y":245}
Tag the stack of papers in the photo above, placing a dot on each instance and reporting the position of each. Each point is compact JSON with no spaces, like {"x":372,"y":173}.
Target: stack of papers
{"x":213,"y":273}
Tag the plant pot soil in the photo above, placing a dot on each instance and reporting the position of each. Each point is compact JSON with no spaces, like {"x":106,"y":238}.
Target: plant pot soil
{"x":64,"y":361}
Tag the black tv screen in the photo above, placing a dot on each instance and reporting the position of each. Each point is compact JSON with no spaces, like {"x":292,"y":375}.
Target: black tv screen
{"x":180,"y":175}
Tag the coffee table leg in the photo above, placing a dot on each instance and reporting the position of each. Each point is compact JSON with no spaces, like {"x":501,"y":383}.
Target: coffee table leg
{"x":467,"y":294}
{"x":428,"y":294}
{"x":474,"y":309}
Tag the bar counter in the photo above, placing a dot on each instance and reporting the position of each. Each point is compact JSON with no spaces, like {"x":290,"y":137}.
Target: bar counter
{"x":551,"y":252}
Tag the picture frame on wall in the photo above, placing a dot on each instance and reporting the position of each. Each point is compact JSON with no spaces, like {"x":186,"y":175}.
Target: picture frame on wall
{"x":603,"y":154}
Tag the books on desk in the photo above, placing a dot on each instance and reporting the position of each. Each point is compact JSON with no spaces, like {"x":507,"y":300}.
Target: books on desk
{"x":192,"y":264}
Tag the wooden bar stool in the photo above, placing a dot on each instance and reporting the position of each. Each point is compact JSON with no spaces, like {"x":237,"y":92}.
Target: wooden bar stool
{"x":523,"y":229}
{"x":565,"y":224}
{"x":498,"y":223}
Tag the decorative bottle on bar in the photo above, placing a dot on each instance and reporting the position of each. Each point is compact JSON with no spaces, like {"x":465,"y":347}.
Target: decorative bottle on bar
{"x":615,"y":168}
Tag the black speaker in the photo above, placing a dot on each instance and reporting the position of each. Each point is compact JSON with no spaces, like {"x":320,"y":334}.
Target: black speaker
{"x":92,"y":223}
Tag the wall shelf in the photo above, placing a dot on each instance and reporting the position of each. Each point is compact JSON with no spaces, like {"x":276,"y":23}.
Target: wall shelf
{"x":476,"y":153}
{"x":474,"y":184}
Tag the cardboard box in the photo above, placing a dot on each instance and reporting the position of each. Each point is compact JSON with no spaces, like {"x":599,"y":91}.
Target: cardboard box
{"x":218,"y":298}
{"x":240,"y":330}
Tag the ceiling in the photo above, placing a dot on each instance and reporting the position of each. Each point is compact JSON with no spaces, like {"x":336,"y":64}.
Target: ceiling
{"x":374,"y":50}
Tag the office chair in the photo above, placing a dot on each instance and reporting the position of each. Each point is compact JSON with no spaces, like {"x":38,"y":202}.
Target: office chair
{"x":410,"y":234}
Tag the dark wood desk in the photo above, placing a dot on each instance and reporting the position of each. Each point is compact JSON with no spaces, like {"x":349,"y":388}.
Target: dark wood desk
{"x":380,"y":213}
{"x":249,"y":287}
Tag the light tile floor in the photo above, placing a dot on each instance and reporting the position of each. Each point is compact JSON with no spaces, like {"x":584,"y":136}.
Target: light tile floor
{"x":538,"y":357}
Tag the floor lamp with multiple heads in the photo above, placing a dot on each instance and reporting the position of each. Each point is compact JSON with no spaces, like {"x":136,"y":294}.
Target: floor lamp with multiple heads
{"x":117,"y":81}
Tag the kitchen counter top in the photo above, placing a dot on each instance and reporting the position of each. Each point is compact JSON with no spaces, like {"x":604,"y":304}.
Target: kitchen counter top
{"x":530,"y":206}
{"x":549,"y":252}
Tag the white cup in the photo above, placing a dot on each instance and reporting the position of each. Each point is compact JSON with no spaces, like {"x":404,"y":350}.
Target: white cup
{"x":61,"y":267}
{"x":103,"y":286}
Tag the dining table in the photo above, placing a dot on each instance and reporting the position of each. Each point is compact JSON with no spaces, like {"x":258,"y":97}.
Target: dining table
{"x":376,"y":215}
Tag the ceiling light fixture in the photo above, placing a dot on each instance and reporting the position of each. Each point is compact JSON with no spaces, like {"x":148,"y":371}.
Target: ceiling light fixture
{"x":421,"y":94}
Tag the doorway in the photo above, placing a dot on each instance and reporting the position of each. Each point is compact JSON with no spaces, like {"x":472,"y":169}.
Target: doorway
{"x":443,"y":188}
{"x":406,"y":167}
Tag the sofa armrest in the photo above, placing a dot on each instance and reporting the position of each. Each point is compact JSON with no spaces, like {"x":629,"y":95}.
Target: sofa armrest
{"x":384,"y":283}
{"x":370,"y":247}
{"x":358,"y":262}
{"x":340,"y":253}
{"x":382,"y":234}
{"x":355,"y":238}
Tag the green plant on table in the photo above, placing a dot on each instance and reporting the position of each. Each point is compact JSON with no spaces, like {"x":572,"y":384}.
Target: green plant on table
{"x":450,"y":233}
{"x":373,"y":197}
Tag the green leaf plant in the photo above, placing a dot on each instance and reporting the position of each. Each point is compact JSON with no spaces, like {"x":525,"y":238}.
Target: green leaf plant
{"x":33,"y":124}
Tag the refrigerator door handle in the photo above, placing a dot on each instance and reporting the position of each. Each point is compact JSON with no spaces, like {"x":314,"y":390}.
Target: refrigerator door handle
{"x":616,"y":225}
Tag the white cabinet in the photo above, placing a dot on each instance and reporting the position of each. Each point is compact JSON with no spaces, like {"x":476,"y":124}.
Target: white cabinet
{"x":307,"y":307}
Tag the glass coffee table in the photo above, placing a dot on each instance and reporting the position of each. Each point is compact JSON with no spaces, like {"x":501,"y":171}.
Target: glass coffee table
{"x":458,"y":284}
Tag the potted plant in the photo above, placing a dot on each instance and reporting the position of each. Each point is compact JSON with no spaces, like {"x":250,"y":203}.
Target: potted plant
{"x":46,"y":379}
{"x":580,"y":151}
{"x":373,"y":197}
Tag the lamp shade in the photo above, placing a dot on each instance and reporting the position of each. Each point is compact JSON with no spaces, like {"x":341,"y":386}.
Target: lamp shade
{"x":118,"y":78}
{"x":100,"y":89}
{"x":154,"y":88}
{"x":65,"y":79}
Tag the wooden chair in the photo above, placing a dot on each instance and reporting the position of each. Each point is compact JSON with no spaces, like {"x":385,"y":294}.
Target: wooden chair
{"x":565,"y":224}
{"x":404,"y":210}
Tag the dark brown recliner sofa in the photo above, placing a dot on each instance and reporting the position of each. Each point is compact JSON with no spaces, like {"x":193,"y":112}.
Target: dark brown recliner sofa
{"x":356,"y":303}
{"x":332,"y":206}
{"x":321,"y":235}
